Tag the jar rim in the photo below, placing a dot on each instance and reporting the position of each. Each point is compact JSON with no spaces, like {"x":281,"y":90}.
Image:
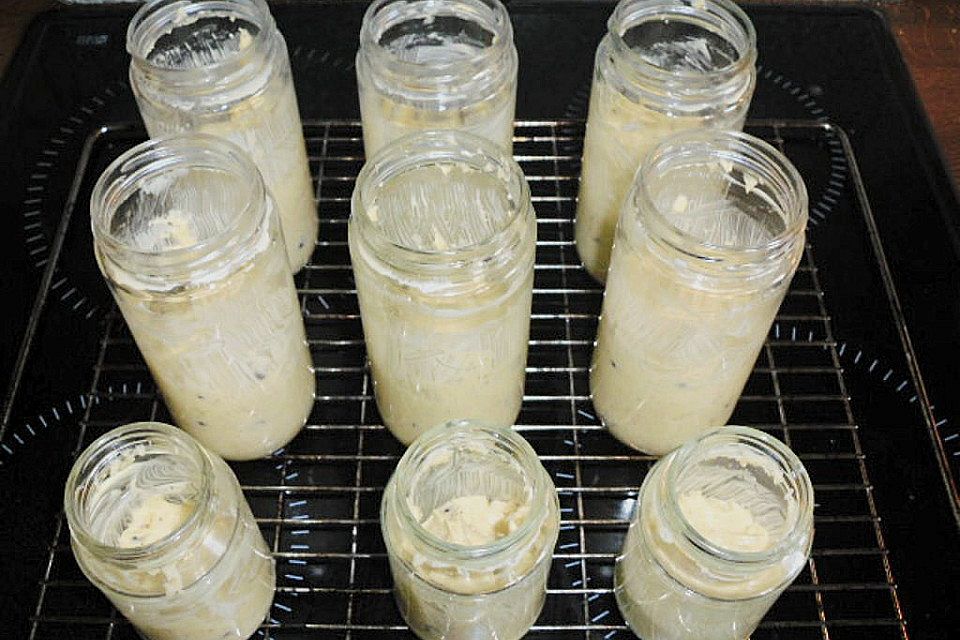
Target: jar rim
{"x":91,"y":462}
{"x":151,"y":159}
{"x":157,"y":17}
{"x":423,"y":149}
{"x":377,"y":19}
{"x":756,"y":443}
{"x":740,"y":150}
{"x":727,"y":14}
{"x":461,"y":430}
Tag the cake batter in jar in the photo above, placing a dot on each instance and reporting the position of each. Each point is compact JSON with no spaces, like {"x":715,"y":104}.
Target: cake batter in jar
{"x":722,"y":526}
{"x":160,"y":526}
{"x":189,"y":242}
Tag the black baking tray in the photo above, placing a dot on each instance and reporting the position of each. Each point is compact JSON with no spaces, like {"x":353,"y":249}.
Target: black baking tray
{"x":884,"y":233}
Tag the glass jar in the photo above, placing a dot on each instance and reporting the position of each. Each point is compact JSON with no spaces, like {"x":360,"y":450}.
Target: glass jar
{"x":221,"y":67}
{"x":722,"y":526}
{"x":436,"y":64}
{"x":160,"y":526}
{"x":663,"y":66}
{"x":442,"y":237}
{"x":470,"y":518}
{"x":189,"y":242}
{"x":708,"y":241}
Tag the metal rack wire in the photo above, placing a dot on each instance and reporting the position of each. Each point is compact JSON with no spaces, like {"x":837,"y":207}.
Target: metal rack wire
{"x":317,"y":501}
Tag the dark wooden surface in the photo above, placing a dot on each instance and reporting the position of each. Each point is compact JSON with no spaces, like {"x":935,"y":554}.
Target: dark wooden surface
{"x":928,"y":32}
{"x":929,"y":36}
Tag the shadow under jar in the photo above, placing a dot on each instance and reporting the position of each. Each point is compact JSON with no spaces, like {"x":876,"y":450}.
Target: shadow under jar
{"x":442,"y":237}
{"x":708,"y":242}
{"x":189,"y":242}
{"x":470,"y":518}
{"x":160,"y":526}
{"x":221,"y":67}
{"x":436,"y":64}
{"x":722,"y":526}
{"x":664,"y":66}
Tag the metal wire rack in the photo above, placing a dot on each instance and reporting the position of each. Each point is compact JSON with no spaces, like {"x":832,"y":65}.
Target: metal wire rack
{"x":317,"y":501}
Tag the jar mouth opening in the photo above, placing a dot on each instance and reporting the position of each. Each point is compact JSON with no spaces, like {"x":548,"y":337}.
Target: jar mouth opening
{"x":123,"y":447}
{"x":734,"y":449}
{"x":176,"y":202}
{"x":400,"y":35}
{"x":693,"y":43}
{"x":453,"y":438}
{"x":455,"y":166}
{"x":192,"y":39}
{"x":721,"y":196}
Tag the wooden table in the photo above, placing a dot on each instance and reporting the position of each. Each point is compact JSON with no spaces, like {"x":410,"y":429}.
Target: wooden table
{"x":928,"y":32}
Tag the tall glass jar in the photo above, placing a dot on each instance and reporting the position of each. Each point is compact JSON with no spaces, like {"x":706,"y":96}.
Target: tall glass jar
{"x":160,"y":526}
{"x":221,"y":67}
{"x":436,"y":64}
{"x":470,"y":518}
{"x":442,"y":237}
{"x":708,"y":241}
{"x":664,"y":66}
{"x":189,"y":242}
{"x":722,"y":526}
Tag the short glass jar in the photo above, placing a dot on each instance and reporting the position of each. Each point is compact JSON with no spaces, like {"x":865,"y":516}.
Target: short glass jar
{"x":160,"y":526}
{"x":189,"y":242}
{"x":442,"y":237}
{"x":722,"y":526}
{"x":470,"y":518}
{"x":664,"y":66}
{"x":436,"y":64}
{"x":221,"y":67}
{"x":708,"y":242}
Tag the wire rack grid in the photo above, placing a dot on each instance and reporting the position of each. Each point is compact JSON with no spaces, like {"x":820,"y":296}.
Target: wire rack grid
{"x":317,"y":500}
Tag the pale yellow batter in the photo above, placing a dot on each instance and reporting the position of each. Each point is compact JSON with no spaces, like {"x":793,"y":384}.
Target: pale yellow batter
{"x":475,"y":520}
